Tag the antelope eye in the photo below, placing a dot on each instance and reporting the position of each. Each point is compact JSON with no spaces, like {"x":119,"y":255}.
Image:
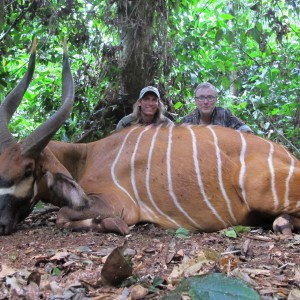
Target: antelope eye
{"x":28,"y":171}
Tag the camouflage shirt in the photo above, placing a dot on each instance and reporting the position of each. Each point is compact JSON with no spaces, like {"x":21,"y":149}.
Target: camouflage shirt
{"x":131,"y":119}
{"x":220,"y":116}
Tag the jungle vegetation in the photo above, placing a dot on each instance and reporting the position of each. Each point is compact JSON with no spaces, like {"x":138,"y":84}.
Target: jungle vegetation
{"x":248,"y":49}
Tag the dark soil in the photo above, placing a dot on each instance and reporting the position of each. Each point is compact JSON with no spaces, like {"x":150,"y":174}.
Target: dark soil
{"x":40,"y":261}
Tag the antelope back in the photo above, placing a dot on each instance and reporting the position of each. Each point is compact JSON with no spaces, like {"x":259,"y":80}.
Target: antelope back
{"x":198,"y":177}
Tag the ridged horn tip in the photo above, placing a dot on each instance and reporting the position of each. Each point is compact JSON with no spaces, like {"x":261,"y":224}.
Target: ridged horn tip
{"x":33,"y":46}
{"x":65,"y":46}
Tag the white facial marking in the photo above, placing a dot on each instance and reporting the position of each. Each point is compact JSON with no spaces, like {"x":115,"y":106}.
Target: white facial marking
{"x":20,"y":190}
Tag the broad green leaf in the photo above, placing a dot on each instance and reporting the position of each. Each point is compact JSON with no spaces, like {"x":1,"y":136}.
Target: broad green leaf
{"x":182,"y":233}
{"x":157,"y":281}
{"x":56,"y":271}
{"x":177,"y":105}
{"x":254,"y":33}
{"x":240,"y":228}
{"x":219,"y":35}
{"x":225,"y":82}
{"x":229,"y":37}
{"x":231,"y":233}
{"x":259,"y":26}
{"x":234,"y":231}
{"x":275,"y":111}
{"x":226,"y":16}
{"x":215,"y":286}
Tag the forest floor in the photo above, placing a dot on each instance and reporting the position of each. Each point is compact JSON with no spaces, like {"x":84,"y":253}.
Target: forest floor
{"x":40,"y":261}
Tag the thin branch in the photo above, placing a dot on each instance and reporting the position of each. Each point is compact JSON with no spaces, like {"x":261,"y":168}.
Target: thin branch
{"x":249,"y":56}
{"x":17,"y":20}
{"x":280,"y":135}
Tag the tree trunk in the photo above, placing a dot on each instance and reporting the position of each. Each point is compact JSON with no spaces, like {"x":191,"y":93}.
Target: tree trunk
{"x":138,"y":59}
{"x":138,"y":63}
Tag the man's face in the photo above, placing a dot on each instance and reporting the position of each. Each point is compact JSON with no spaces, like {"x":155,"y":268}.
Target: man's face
{"x":205,"y":99}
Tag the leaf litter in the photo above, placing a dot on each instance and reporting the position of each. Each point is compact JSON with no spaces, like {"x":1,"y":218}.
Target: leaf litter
{"x":40,"y":261}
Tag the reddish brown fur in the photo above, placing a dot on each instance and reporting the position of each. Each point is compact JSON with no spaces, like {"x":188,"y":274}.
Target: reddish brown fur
{"x":94,"y":161}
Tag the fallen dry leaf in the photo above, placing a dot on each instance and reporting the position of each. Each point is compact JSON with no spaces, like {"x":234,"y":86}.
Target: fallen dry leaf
{"x":6,"y":271}
{"x":116,"y":268}
{"x":138,"y":292}
{"x":59,"y":255}
{"x":35,"y":277}
{"x":256,"y":272}
{"x":297,"y":274}
{"x":294,"y":295}
{"x":171,"y":251}
{"x":228,"y":263}
{"x":191,"y":267}
{"x":244,"y":276}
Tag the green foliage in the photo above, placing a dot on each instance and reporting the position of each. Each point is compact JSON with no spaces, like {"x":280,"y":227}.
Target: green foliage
{"x":155,"y":284}
{"x":249,"y":51}
{"x":258,"y":58}
{"x":13,"y":257}
{"x":131,"y":280}
{"x":86,"y":36}
{"x":231,"y":233}
{"x":39,"y":205}
{"x":182,"y":233}
{"x":56,"y":271}
{"x":234,"y":231}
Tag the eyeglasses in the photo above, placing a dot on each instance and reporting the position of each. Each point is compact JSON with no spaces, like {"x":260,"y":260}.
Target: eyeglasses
{"x":209,"y":98}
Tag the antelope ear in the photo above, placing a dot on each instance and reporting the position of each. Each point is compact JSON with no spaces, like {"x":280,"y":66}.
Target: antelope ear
{"x":65,"y":191}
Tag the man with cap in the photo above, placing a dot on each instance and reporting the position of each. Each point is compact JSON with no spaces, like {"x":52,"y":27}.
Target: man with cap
{"x":207,"y":113}
{"x":148,"y":109}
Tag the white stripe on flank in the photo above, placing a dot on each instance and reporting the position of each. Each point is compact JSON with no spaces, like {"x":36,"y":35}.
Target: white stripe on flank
{"x":113,"y":175}
{"x":144,"y":207}
{"x":272,"y":172}
{"x":199,"y":178}
{"x":287,"y":181}
{"x":148,"y":179}
{"x":170,"y":183}
{"x":219,"y":163}
{"x":243,"y":170}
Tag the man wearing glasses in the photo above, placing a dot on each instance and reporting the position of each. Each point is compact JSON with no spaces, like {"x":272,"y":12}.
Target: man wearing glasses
{"x":207,"y":113}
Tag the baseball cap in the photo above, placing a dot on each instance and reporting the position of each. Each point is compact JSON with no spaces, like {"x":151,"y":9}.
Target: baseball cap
{"x":148,"y":89}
